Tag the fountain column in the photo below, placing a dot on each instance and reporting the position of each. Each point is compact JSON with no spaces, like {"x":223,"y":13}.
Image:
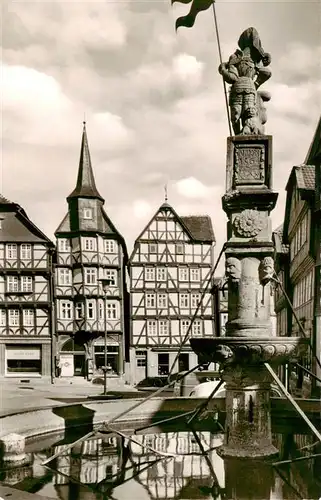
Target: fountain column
{"x":248,"y":202}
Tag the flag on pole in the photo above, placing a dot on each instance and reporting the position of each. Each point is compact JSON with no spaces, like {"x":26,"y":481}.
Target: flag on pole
{"x":196,"y":7}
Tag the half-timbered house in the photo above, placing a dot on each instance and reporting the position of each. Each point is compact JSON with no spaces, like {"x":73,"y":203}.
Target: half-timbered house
{"x":25,"y":295}
{"x":296,"y":270}
{"x":170,"y":283}
{"x":89,"y":250}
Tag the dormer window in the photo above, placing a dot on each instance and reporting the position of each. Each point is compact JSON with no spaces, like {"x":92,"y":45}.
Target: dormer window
{"x":88,"y":213}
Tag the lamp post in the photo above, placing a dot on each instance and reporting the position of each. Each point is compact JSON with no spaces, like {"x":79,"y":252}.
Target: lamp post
{"x":105,"y":284}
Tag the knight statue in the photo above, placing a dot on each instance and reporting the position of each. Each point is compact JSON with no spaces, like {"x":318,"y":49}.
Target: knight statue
{"x":246,"y":70}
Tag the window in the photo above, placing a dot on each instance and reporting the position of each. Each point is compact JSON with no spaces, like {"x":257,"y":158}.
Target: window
{"x":161,"y":274}
{"x":65,"y":310}
{"x":25,"y":251}
{"x":13,"y":317}
{"x":26,"y":283}
{"x":13,"y":284}
{"x":150,"y":273}
{"x":79,"y":310}
{"x":63,"y":245}
{"x":141,"y":359}
{"x":195,"y":299}
{"x":184,"y":326}
{"x":183,"y":300}
{"x":179,"y":248}
{"x":152,"y":247}
{"x":90,"y":309}
{"x":91,"y":276}
{"x":11,"y":251}
{"x":110,"y":246}
{"x":3,"y":318}
{"x":151,"y":327}
{"x":183,"y":274}
{"x":28,"y":317}
{"x":111,"y":275}
{"x":90,"y":244}
{"x":163,"y":328}
{"x":112,"y":310}
{"x":197,"y":327}
{"x":64,"y":276}
{"x":162,"y":300}
{"x":163,"y":364}
{"x":88,"y":213}
{"x":195,"y":274}
{"x":150,"y":300}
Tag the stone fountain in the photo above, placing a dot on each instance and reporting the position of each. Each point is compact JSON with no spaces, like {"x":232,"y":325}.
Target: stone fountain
{"x":248,"y":202}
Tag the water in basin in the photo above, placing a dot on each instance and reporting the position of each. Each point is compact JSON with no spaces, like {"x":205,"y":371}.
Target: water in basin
{"x":164,"y":465}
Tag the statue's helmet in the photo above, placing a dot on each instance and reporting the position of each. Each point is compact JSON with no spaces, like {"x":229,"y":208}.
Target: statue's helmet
{"x":250,"y":38}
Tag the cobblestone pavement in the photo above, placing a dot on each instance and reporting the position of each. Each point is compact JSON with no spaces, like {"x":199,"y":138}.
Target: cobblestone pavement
{"x":16,"y":396}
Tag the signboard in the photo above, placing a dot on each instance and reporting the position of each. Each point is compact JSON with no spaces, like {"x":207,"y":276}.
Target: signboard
{"x":67,"y":365}
{"x":21,"y":353}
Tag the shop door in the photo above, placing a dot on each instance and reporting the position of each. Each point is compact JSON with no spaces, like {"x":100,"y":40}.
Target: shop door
{"x":67,"y":365}
{"x":183,"y":362}
{"x":141,"y":365}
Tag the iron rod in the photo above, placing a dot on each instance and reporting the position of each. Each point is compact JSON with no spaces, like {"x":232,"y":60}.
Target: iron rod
{"x":292,"y":401}
{"x":308,"y":371}
{"x":221,"y":61}
{"x":298,"y":459}
{"x":205,"y":403}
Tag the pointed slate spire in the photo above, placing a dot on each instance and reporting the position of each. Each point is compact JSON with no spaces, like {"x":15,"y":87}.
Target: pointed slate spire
{"x":86,"y":186}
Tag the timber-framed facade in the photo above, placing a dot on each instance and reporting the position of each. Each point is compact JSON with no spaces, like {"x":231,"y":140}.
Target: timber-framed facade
{"x":26,"y":296}
{"x":296,"y":258}
{"x":89,"y":249}
{"x":170,"y":283}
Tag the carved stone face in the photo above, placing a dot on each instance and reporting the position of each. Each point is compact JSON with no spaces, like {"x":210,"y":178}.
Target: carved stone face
{"x":233,"y":269}
{"x":266,"y":270}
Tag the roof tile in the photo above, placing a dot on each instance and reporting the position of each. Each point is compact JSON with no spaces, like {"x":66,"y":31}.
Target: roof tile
{"x":200,"y":227}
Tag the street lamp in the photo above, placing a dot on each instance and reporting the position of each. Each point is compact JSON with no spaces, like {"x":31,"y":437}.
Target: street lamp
{"x":105,"y":284}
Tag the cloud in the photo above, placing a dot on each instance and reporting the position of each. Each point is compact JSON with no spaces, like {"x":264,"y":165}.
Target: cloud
{"x":193,"y":188}
{"x":154,"y":103}
{"x":141,"y":209}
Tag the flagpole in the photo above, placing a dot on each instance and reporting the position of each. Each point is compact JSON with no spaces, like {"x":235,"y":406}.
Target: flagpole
{"x":220,"y":55}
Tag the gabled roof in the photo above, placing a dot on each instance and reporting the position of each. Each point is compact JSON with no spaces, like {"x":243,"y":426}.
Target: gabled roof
{"x":16,"y":225}
{"x":314,"y":153}
{"x":200,"y":227}
{"x":280,"y":247}
{"x":86,"y":186}
{"x":197,"y":227}
{"x":302,"y":176}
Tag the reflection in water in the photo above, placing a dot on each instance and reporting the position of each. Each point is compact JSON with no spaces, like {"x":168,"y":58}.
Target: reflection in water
{"x":113,"y":467}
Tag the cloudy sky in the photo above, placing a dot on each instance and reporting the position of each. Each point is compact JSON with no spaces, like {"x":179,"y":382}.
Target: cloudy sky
{"x":153,"y":102}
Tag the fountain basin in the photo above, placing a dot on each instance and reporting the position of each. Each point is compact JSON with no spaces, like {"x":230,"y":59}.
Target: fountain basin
{"x":244,"y":350}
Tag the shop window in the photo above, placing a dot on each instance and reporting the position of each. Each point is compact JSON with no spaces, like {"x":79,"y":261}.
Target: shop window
{"x":23,"y":359}
{"x":163,"y":364}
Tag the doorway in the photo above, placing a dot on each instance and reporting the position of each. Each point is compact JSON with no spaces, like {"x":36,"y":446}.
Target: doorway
{"x":183,"y":362}
{"x":141,"y":365}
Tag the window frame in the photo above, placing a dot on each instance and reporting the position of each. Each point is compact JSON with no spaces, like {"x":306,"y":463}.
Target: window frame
{"x":13,"y":316}
{"x":28,"y":316}
{"x":87,"y":213}
{"x":26,"y":251}
{"x":92,"y":273}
